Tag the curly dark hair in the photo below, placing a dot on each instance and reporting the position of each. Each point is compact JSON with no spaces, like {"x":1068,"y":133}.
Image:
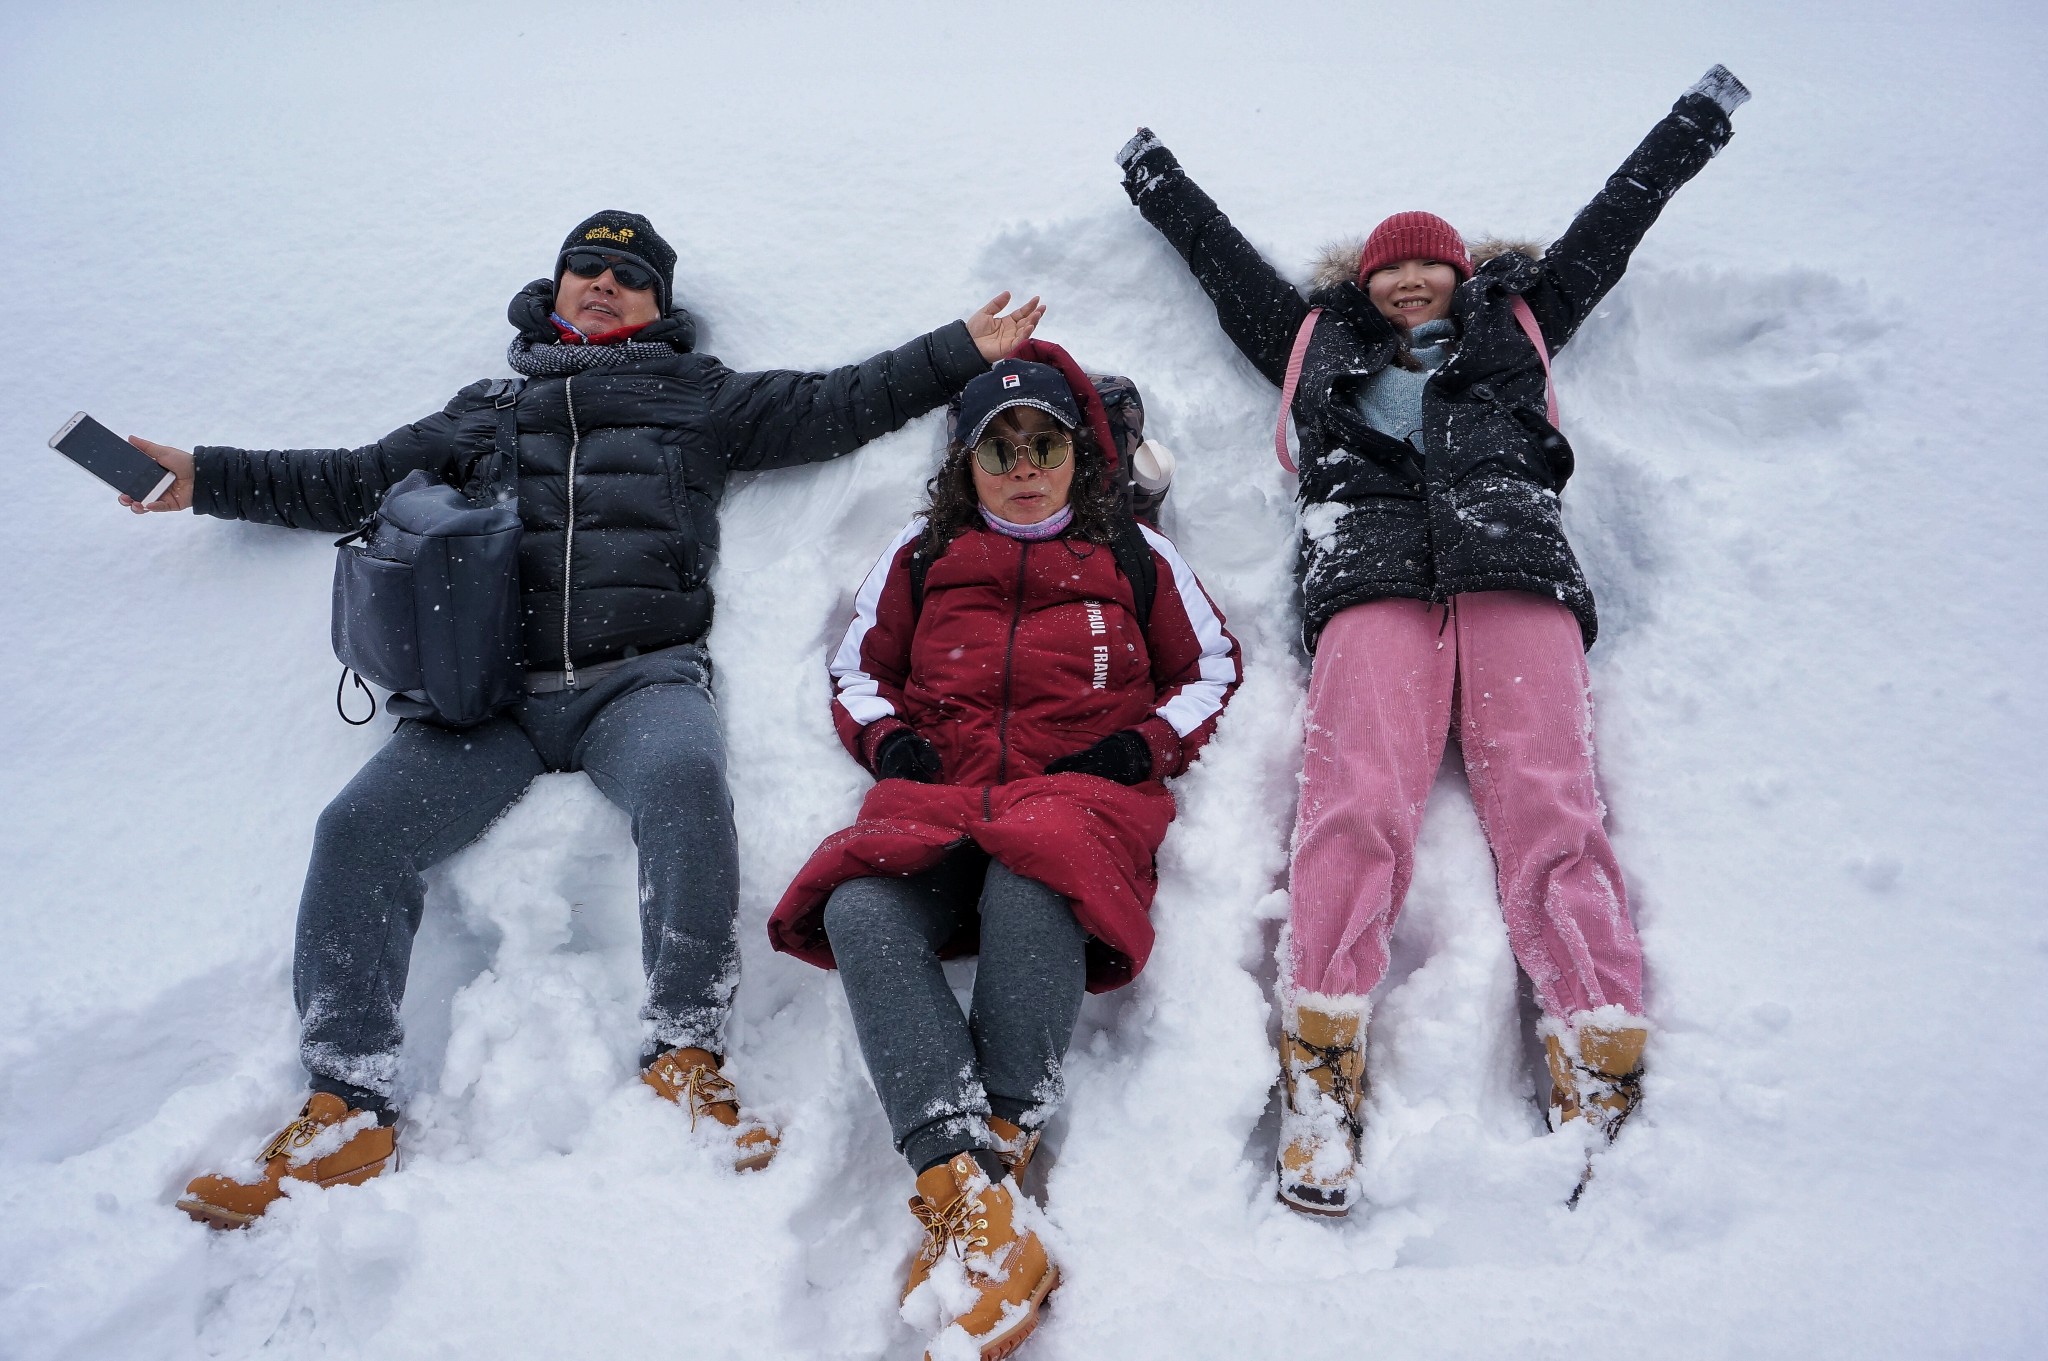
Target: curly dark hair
{"x":953,"y":505}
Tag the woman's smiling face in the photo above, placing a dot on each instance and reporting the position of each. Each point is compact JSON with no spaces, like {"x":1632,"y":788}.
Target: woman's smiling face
{"x":1412,"y":292}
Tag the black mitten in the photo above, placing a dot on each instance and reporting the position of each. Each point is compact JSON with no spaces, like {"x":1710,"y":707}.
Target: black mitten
{"x":1146,"y":161}
{"x":1123,"y":756}
{"x":907,"y":756}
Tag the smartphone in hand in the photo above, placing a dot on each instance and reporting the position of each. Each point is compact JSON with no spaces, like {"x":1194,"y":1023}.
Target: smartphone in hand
{"x":112,"y":459}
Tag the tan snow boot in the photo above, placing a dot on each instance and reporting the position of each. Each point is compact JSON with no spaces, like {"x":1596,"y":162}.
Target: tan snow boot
{"x":1596,"y":1073}
{"x":1014,"y":1145}
{"x":690,"y":1078}
{"x":1322,"y":1082}
{"x":329,"y":1144}
{"x":1006,"y":1266}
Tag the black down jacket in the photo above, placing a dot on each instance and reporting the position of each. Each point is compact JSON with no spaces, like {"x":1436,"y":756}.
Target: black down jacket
{"x":1476,"y":508}
{"x":656,"y":437}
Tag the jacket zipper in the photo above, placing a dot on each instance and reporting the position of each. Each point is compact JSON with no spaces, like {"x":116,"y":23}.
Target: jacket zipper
{"x":1009,"y":670}
{"x":569,"y":534}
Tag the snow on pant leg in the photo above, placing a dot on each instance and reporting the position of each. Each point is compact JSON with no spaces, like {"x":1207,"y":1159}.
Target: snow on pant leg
{"x":886,"y":936}
{"x":1527,"y":728}
{"x":1379,"y":712}
{"x":1028,"y":986}
{"x":428,"y":793}
{"x":657,"y":753}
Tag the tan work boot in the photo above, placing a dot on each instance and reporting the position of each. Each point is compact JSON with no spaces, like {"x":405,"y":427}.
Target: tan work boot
{"x":1014,"y":1145}
{"x":690,"y":1078}
{"x":1322,"y":1082}
{"x":329,"y":1144}
{"x":1007,"y":1273}
{"x":1596,"y":1072}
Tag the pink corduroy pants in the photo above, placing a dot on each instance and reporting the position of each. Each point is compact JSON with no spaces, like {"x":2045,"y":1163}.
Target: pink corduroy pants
{"x":1389,"y":676}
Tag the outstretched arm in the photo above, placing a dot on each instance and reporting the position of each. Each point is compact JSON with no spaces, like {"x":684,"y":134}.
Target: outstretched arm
{"x":781,"y":417}
{"x":333,"y":490}
{"x":1589,"y":258}
{"x":1260,"y":311}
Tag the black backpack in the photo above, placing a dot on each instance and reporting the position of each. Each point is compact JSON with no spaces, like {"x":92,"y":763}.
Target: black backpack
{"x":426,"y":592}
{"x":1126,"y":412}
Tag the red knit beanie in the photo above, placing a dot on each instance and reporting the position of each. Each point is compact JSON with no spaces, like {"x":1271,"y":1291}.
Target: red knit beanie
{"x":1414,"y":236}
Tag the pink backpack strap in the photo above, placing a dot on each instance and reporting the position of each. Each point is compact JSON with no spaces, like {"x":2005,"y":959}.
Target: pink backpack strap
{"x":1527,"y":320}
{"x":1293,"y":380}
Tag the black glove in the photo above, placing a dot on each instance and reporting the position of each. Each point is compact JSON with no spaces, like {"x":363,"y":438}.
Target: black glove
{"x":906,"y":756}
{"x":1720,"y":85}
{"x":1122,"y":756}
{"x":1146,"y":161}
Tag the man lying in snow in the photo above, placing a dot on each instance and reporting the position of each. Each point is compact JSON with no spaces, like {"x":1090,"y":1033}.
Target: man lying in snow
{"x":625,"y":438}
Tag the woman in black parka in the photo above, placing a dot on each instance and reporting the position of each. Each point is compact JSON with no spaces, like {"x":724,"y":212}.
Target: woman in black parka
{"x":1438,"y":586}
{"x":626,"y":435}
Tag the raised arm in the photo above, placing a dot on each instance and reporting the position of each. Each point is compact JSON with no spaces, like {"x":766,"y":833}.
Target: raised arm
{"x":1588,"y":260}
{"x":781,"y":417}
{"x":1260,"y":311}
{"x":333,"y":490}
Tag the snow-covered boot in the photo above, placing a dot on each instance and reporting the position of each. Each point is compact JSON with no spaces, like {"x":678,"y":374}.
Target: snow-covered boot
{"x":1322,"y":1082}
{"x":991,"y":1305}
{"x":690,"y":1078}
{"x":1596,"y":1070}
{"x":329,"y":1144}
{"x":1014,"y":1145}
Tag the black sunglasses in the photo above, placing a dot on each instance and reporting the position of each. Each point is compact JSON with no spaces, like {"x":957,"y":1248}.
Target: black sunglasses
{"x":997,"y":456}
{"x":588,"y":264}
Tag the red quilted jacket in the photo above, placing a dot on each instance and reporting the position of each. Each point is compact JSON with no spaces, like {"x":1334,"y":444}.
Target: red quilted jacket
{"x":1023,"y":652}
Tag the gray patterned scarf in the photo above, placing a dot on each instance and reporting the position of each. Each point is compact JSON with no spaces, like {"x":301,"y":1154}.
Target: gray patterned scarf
{"x":563,"y":361}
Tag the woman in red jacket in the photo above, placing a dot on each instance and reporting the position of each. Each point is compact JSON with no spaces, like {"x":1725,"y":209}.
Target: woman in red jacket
{"x":1019,"y":700}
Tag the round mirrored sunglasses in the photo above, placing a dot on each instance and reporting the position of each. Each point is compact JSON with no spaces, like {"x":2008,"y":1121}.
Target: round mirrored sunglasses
{"x":1047,"y":450}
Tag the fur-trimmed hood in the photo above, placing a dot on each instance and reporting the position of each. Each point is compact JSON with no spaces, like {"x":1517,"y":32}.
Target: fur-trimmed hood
{"x":1337,"y":263}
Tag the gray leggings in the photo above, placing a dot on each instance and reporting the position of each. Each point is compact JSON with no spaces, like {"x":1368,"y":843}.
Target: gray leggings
{"x":939,"y":1074}
{"x":646,"y":734}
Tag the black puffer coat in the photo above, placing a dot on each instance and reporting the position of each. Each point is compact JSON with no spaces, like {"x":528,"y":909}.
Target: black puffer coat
{"x":1476,"y":509}
{"x":656,"y":436}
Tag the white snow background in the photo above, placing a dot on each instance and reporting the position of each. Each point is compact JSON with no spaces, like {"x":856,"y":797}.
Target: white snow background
{"x":1810,"y":463}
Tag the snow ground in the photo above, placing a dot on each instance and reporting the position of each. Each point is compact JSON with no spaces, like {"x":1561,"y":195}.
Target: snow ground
{"x":1809,"y":466}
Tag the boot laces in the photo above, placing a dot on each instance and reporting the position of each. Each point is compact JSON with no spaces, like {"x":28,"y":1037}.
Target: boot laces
{"x":705,"y":1087}
{"x":1594,"y":1084}
{"x":953,"y":1225}
{"x":1330,"y":1058}
{"x":297,"y":1134}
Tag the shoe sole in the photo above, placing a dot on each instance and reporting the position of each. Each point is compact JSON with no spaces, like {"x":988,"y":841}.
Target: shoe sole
{"x":214,"y":1216}
{"x":1319,"y":1211}
{"x":1000,"y":1346}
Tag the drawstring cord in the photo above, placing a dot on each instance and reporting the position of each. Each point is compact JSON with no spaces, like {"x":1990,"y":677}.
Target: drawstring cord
{"x":339,"y":685}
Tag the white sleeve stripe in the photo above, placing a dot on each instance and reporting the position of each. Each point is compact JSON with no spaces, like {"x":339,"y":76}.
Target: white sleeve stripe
{"x":1198,"y":700}
{"x":858,"y":693}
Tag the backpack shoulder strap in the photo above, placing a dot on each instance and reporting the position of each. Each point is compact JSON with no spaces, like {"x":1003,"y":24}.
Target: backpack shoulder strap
{"x":1292,"y":381}
{"x":1526,"y":319}
{"x":920,"y":567}
{"x":1134,"y":560}
{"x":503,"y":394}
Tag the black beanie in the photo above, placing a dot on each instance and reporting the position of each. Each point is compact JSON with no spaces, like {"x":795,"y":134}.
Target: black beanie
{"x":630,"y":235}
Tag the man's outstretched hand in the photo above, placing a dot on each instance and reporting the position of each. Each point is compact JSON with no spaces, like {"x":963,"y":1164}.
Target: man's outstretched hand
{"x":995,"y":332}
{"x":177,"y":461}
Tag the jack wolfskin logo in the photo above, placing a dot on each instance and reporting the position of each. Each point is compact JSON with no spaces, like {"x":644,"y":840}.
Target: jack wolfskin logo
{"x":619,"y":234}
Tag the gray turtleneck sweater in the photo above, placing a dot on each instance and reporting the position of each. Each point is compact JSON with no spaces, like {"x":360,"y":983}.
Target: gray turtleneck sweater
{"x":1391,"y":401}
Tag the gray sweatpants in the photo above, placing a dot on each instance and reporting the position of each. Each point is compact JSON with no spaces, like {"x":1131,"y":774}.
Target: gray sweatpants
{"x":646,"y":734}
{"x":941,"y":1075}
